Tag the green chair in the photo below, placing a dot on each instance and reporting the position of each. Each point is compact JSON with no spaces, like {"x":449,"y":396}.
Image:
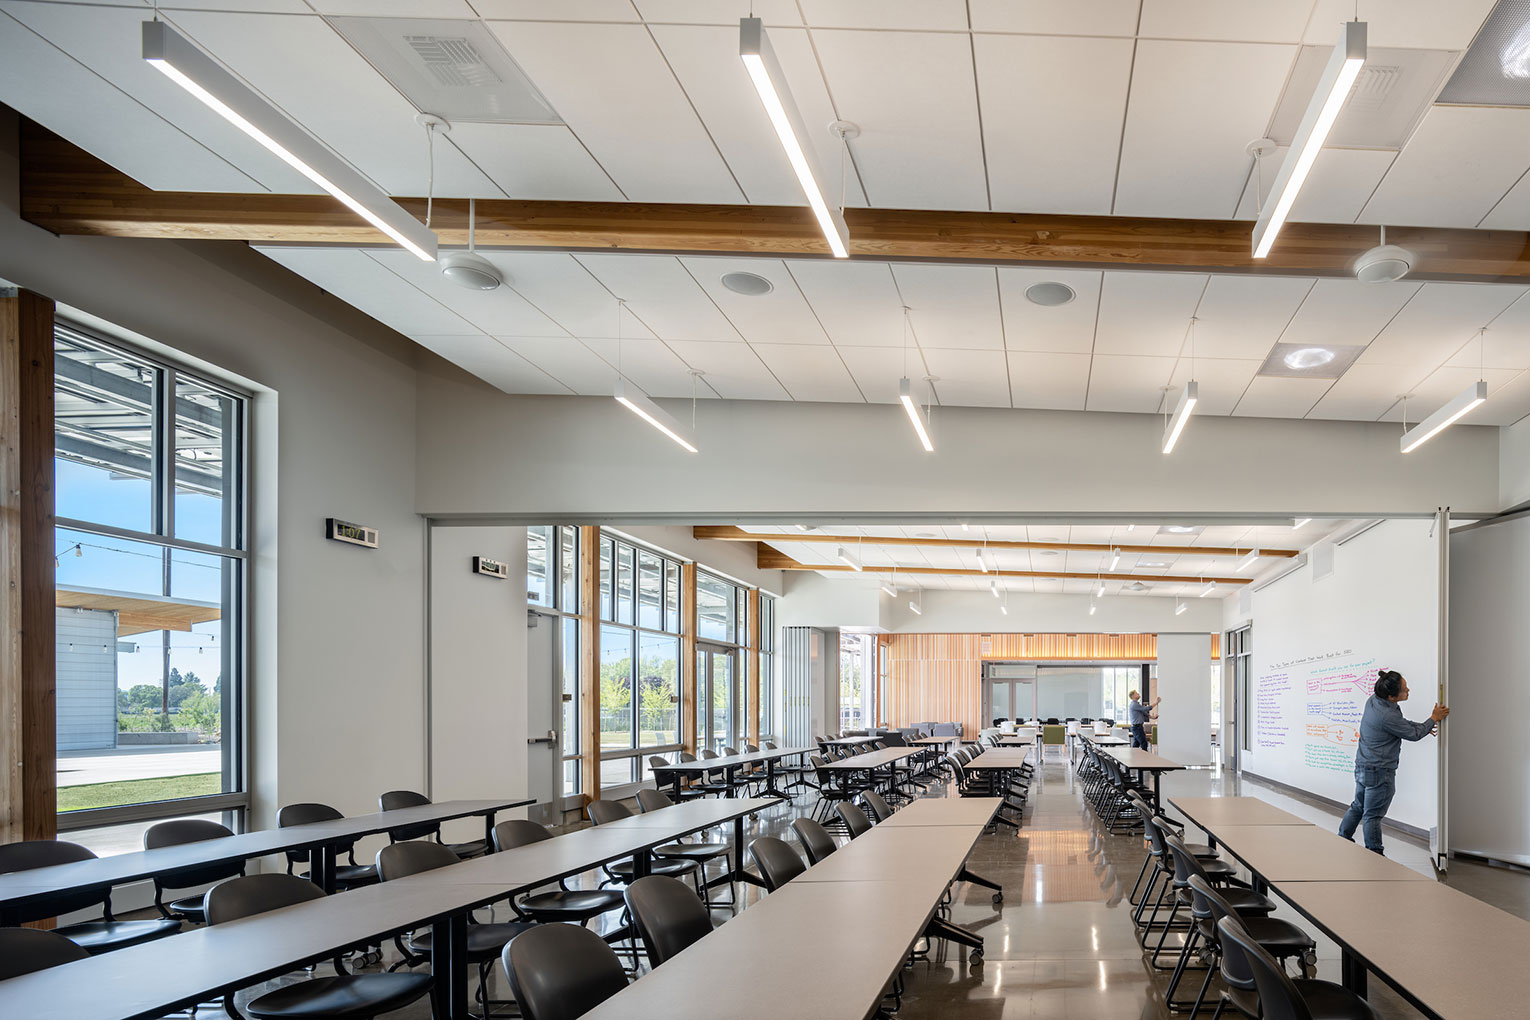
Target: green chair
{"x":1053,"y":736}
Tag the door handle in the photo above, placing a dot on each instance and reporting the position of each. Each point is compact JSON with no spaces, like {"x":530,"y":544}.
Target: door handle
{"x":551,"y":738}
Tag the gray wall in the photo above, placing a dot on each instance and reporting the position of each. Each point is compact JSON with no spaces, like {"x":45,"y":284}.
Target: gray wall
{"x":87,"y":678}
{"x":1184,"y":683}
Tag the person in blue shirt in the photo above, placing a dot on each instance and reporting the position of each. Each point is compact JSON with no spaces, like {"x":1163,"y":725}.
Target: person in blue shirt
{"x":1382,"y":731}
{"x":1138,"y":714}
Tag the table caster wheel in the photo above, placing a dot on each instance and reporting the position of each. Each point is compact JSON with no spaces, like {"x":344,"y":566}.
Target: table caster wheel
{"x":977,"y":958}
{"x":998,"y":898}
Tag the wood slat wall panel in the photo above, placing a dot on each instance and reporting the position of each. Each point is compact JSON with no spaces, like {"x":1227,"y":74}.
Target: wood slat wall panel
{"x":938,"y":677}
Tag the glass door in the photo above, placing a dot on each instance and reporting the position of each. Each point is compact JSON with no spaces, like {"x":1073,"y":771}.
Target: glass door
{"x":716,"y":694}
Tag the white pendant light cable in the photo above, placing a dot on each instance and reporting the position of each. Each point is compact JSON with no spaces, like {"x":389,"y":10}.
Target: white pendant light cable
{"x":430,"y":172}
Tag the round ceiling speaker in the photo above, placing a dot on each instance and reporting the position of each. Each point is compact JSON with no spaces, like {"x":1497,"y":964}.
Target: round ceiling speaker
{"x":1383,"y":264}
{"x":747,"y":284}
{"x":1049,"y":294}
{"x":471,"y":270}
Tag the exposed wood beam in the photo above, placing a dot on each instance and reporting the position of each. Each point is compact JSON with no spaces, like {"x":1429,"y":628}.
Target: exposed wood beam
{"x":770,"y":559}
{"x":729,"y":533}
{"x":68,"y":191}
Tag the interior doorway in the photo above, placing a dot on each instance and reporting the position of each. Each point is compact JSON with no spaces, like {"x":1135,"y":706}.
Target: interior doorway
{"x":721,"y":710}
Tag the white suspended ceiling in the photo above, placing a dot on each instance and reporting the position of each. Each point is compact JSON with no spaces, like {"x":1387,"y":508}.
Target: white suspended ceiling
{"x":1109,"y":107}
{"x":834,"y":331}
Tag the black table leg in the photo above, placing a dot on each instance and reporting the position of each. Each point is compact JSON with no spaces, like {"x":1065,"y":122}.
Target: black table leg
{"x":1353,"y":973}
{"x":770,"y":781}
{"x":321,"y":867}
{"x":449,"y":966}
{"x":642,"y":864}
{"x":488,"y":832}
{"x":737,"y":873}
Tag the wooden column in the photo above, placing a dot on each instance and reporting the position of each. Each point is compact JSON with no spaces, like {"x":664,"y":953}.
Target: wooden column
{"x":688,"y":677}
{"x":589,"y":663}
{"x":28,"y":737}
{"x":752,"y":653}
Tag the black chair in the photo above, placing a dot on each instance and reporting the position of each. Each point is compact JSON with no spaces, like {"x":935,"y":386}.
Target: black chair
{"x":1281,"y":939}
{"x":1245,"y":901}
{"x":854,"y":818}
{"x":667,"y":915}
{"x":94,"y":937}
{"x":877,"y":808}
{"x":345,"y":995}
{"x":700,"y":851}
{"x":777,"y":861}
{"x":177,"y":832}
{"x":815,"y":839}
{"x":669,"y":782}
{"x":24,"y":950}
{"x":829,"y":792}
{"x":393,"y":800}
{"x":561,"y":972}
{"x":484,"y":941}
{"x":578,"y":906}
{"x":1276,"y":995}
{"x":701,"y":784}
{"x":601,"y":812}
{"x":347,"y":876}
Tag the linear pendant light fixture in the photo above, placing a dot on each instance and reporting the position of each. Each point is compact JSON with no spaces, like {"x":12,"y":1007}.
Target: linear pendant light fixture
{"x":182,"y":62}
{"x":1187,"y":401}
{"x":1442,"y":419}
{"x":1249,"y":560}
{"x":915,"y":414}
{"x":848,"y":560}
{"x":636,"y":401}
{"x":1332,"y":90}
{"x":770,"y":82}
{"x":913,"y":606}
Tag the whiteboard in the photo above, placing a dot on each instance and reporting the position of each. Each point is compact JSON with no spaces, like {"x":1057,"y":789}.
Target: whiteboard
{"x":1318,"y":644}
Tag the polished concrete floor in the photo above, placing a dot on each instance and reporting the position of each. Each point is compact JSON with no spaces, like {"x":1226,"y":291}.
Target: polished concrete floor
{"x":1062,"y":942}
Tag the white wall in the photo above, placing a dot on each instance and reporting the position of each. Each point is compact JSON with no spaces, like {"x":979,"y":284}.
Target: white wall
{"x":1514,"y":465}
{"x":735,"y":560}
{"x":336,"y":667}
{"x":812,"y":600}
{"x":1317,"y":646}
{"x":478,"y":683}
{"x":1184,"y":684}
{"x":592,"y":458}
{"x":1489,"y":646}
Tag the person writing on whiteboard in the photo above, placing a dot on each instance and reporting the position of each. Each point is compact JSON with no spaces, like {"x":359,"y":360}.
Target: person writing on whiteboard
{"x":1139,"y":713}
{"x":1382,"y":731}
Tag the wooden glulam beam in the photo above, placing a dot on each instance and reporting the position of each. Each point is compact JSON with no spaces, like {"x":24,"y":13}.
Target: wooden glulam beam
{"x":66,"y":190}
{"x":729,"y":533}
{"x":770,"y":559}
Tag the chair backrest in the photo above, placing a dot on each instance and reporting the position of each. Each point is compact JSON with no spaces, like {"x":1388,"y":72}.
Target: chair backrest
{"x":393,"y":800}
{"x":819,"y":768}
{"x":1052,"y":733}
{"x":879,"y":809}
{"x":729,"y":752}
{"x":1279,"y":997}
{"x":668,"y":914}
{"x":854,"y":818}
{"x":1185,"y":864}
{"x":303,"y":814}
{"x":44,"y":853}
{"x":769,"y":745}
{"x":685,"y":756}
{"x":707,"y":754}
{"x":24,"y":950}
{"x":777,"y":861}
{"x":179,"y":831}
{"x":1208,"y":904}
{"x":815,"y":839}
{"x":519,"y":832}
{"x":396,"y":860}
{"x":561,"y":971}
{"x":751,"y":749}
{"x":653,"y":800}
{"x":256,"y":894}
{"x":603,"y":811}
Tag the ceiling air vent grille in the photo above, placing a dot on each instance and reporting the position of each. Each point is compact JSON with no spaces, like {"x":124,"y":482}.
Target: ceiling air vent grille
{"x":451,"y":68}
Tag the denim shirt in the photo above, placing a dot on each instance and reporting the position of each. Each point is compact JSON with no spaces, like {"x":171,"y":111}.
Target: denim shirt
{"x":1139,"y":713}
{"x":1382,"y":731}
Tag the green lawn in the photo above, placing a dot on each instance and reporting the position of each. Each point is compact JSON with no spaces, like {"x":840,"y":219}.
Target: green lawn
{"x":138,"y":791}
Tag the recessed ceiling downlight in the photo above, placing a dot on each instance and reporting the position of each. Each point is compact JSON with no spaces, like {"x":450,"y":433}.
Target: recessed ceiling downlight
{"x":471,"y":270}
{"x":1308,"y":357}
{"x":747,"y":284}
{"x":1049,"y":294}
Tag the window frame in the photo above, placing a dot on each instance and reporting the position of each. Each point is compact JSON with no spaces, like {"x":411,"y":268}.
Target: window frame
{"x":234,"y":804}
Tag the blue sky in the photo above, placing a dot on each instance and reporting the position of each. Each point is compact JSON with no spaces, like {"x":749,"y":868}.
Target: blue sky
{"x":91,"y":494}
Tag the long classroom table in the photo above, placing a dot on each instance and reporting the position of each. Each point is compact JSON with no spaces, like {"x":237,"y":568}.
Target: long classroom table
{"x":1146,"y":761}
{"x":177,"y":972}
{"x":824,"y":945}
{"x":733,"y":762}
{"x":1452,"y":956}
{"x":19,"y":889}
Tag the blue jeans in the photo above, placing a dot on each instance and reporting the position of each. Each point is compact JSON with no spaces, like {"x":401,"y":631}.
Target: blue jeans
{"x":1139,"y":736}
{"x":1374,"y":789}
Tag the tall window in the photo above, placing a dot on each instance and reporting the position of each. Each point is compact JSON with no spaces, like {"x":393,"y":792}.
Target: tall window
{"x":1238,"y":647}
{"x":552,"y":584}
{"x":639,"y":659}
{"x":767,"y":667}
{"x":857,"y":685}
{"x":149,"y":465}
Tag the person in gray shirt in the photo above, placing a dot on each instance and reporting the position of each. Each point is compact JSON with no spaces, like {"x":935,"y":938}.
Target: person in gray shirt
{"x":1382,"y":731}
{"x":1138,"y":714}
